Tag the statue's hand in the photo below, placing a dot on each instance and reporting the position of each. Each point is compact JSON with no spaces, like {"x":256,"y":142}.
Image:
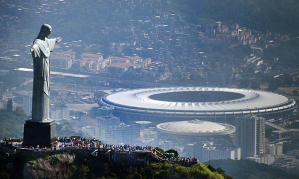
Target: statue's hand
{"x":58,"y":39}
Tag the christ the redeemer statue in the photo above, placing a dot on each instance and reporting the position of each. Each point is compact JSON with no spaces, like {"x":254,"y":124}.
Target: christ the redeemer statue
{"x":40,"y":50}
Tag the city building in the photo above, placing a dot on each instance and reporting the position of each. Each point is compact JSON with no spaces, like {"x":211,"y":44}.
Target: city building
{"x":106,"y":121}
{"x":206,"y":152}
{"x":1,"y":90}
{"x":110,"y":129}
{"x":121,"y":67}
{"x":267,"y":159}
{"x":59,"y":113}
{"x":275,"y":149}
{"x":250,"y":135}
{"x":63,"y":59}
{"x":126,"y":134}
{"x":214,"y":153}
{"x":27,"y":103}
{"x":92,"y":57}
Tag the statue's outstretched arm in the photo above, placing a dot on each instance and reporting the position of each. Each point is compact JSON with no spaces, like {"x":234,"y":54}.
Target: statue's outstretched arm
{"x":58,"y":39}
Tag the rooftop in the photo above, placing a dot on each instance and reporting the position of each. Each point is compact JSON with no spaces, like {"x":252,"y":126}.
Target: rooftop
{"x":195,"y":128}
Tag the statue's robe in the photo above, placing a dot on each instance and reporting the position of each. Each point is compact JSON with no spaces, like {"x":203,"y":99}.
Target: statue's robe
{"x":40,"y":51}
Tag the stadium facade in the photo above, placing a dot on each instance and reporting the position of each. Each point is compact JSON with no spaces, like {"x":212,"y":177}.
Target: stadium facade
{"x":204,"y":103}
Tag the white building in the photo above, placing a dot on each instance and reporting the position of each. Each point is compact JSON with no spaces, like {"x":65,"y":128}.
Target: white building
{"x":122,"y":133}
{"x":250,"y":135}
{"x":62,"y":62}
{"x":212,"y":153}
{"x":267,"y":159}
{"x":275,"y":149}
{"x":110,"y":128}
{"x":63,"y":59}
{"x":59,"y":113}
{"x":108,"y":121}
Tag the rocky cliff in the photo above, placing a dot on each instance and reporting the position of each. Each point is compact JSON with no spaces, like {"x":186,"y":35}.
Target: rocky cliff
{"x":51,"y":166}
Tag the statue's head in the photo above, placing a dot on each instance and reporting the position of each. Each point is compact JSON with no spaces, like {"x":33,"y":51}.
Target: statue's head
{"x":45,"y":31}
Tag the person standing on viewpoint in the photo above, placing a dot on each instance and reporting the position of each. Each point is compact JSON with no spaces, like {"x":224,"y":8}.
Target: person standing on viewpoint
{"x":40,"y":50}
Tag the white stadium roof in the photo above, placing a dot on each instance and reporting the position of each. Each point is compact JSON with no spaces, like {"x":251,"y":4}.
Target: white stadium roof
{"x":239,"y":101}
{"x":195,"y":128}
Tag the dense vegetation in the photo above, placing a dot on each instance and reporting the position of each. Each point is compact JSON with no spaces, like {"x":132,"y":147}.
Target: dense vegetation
{"x":250,"y":169}
{"x":12,"y":123}
{"x":286,"y":52}
{"x":150,"y":170}
{"x":263,"y":15}
{"x":12,"y":79}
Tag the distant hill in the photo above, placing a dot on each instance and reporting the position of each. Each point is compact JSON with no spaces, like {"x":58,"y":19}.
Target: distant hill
{"x":273,"y":15}
{"x":249,"y":169}
{"x":12,"y":125}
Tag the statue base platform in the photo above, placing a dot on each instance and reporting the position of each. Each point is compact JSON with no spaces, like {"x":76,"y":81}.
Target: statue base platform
{"x":39,"y":133}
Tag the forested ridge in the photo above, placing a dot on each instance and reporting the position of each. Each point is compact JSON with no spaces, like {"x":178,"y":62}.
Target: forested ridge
{"x":250,"y":169}
{"x":12,"y":125}
{"x":262,"y":15}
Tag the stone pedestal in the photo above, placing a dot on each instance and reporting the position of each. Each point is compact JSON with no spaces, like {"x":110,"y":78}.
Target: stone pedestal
{"x":39,"y":133}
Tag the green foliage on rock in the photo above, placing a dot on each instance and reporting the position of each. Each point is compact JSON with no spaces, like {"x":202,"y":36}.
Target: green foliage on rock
{"x":150,"y":170}
{"x":167,"y":170}
{"x":3,"y":174}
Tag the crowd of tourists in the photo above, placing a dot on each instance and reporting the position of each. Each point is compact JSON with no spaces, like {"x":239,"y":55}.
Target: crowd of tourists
{"x":76,"y":142}
{"x":79,"y":142}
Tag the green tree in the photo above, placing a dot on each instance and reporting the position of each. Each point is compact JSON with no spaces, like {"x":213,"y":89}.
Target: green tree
{"x":99,"y":94}
{"x":12,"y":123}
{"x":19,"y":109}
{"x":272,"y":86}
{"x":176,"y":154}
{"x":83,"y":171}
{"x":159,"y":149}
{"x":3,"y":174}
{"x":244,"y":82}
{"x":255,"y":84}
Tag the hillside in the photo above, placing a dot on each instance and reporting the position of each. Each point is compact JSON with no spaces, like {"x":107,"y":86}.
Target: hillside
{"x":12,"y":125}
{"x":263,"y":15}
{"x":250,"y":169}
{"x":79,"y":163}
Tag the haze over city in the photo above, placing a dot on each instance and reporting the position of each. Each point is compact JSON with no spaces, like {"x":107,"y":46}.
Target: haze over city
{"x":214,"y":82}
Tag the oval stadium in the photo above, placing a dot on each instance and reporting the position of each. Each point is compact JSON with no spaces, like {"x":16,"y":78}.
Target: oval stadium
{"x":188,"y":103}
{"x":195,"y":128}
